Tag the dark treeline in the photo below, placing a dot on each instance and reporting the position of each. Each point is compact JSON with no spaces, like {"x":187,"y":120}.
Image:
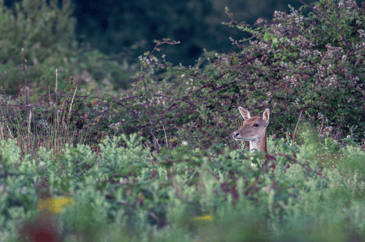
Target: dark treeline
{"x":113,"y":25}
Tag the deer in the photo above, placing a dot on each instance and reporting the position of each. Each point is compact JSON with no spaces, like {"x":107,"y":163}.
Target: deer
{"x":254,"y":131}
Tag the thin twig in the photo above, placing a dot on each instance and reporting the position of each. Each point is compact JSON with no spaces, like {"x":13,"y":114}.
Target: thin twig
{"x":29,"y":121}
{"x":325,"y":16}
{"x":26,"y":79}
{"x":56,"y":88}
{"x":295,"y":130}
{"x":69,"y":112}
{"x":167,"y":143}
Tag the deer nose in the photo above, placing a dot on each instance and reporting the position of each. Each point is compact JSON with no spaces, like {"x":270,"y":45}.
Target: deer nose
{"x":235,"y":134}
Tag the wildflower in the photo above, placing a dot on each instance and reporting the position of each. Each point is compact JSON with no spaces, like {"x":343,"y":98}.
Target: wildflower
{"x":204,"y":218}
{"x":24,"y":190}
{"x":123,"y":180}
{"x":54,"y":205}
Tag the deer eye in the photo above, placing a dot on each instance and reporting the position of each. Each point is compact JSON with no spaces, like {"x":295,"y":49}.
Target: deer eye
{"x":255,"y":125}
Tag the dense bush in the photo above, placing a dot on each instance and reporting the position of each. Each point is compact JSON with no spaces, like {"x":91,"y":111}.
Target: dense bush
{"x":293,"y":66}
{"x":46,"y":32}
{"x":296,"y":65}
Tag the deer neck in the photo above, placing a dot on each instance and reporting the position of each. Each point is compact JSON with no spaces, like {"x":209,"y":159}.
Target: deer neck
{"x":259,"y":144}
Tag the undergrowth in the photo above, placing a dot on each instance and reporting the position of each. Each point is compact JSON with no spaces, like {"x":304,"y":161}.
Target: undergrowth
{"x":188,"y":195}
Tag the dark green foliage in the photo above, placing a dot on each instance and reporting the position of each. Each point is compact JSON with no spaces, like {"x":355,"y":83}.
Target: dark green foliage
{"x":296,"y":65}
{"x":111,"y":25}
{"x":46,"y":33}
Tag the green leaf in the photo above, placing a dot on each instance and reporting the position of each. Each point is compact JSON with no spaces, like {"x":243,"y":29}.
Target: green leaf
{"x":275,"y":42}
{"x":266,"y":36}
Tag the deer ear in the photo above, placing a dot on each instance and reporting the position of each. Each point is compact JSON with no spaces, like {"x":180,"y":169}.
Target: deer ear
{"x":244,"y":113}
{"x":266,"y":116}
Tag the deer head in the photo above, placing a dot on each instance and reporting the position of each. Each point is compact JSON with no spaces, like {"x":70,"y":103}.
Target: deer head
{"x":253,"y":130}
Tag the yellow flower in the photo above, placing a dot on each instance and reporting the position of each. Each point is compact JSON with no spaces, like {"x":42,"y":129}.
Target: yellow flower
{"x":54,"y":205}
{"x":206,"y":217}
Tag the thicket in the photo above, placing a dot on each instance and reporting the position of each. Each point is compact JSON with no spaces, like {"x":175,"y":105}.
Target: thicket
{"x":297,"y":66}
{"x":46,"y":32}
